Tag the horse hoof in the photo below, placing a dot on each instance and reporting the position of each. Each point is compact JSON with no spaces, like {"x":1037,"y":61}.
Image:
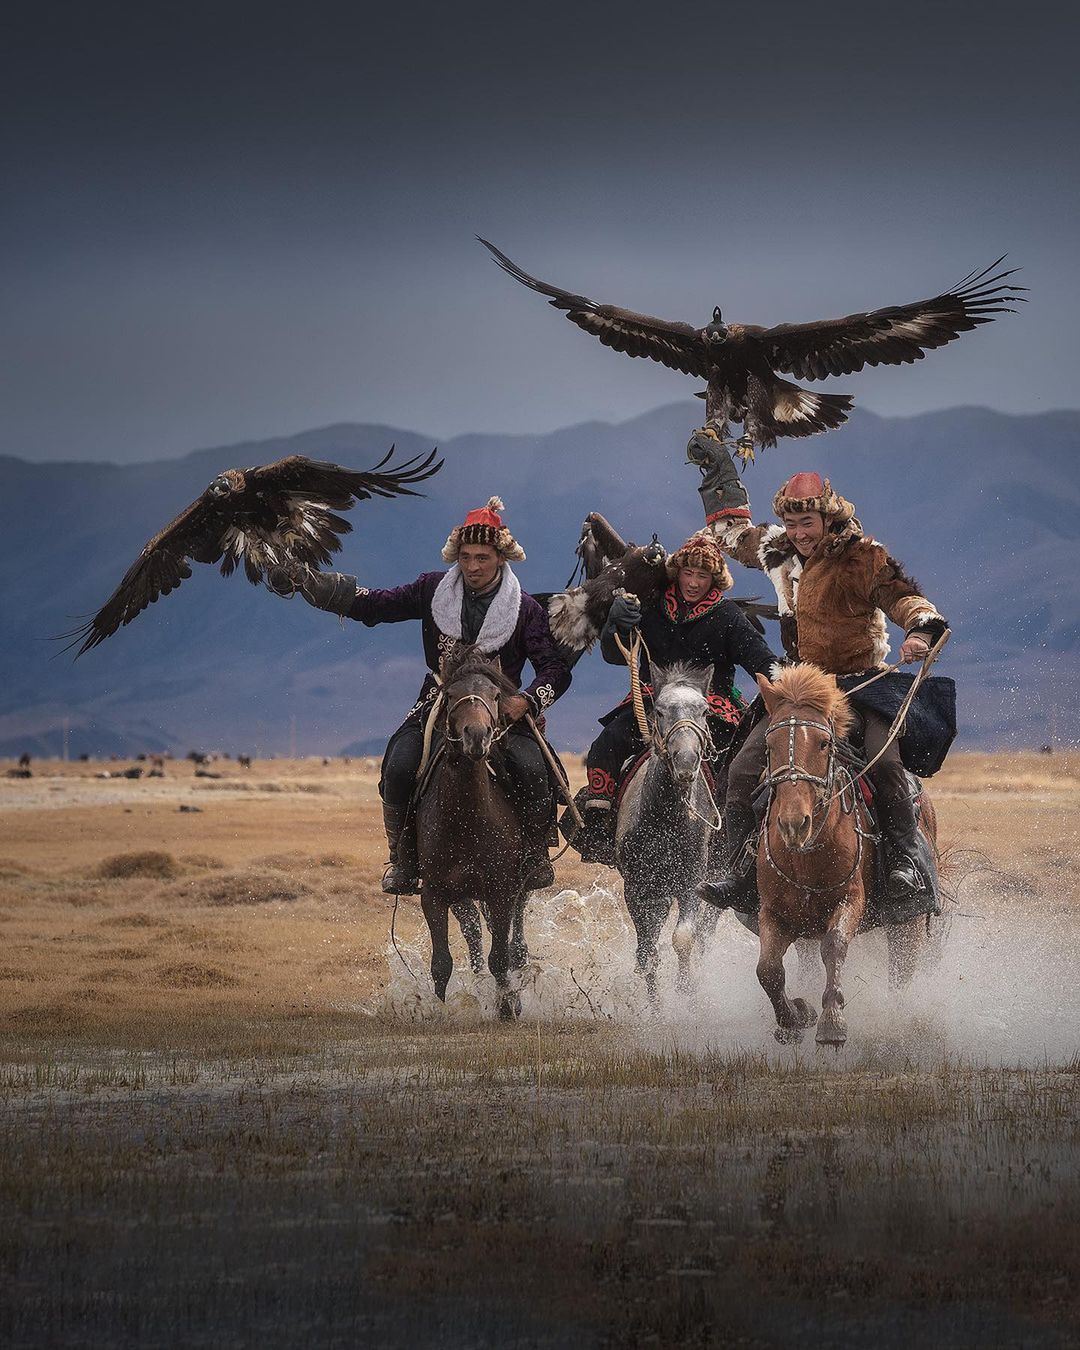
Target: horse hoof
{"x":788,"y":1035}
{"x":803,"y":1011}
{"x":509,"y":1008}
{"x":832,"y":1029}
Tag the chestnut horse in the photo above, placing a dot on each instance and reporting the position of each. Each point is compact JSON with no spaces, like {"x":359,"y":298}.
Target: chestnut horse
{"x":816,"y":855}
{"x":469,"y":839}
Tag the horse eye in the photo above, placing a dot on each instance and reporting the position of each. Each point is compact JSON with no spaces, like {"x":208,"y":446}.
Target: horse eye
{"x":823,"y":744}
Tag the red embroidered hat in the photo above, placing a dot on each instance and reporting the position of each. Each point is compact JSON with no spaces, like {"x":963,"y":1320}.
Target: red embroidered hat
{"x":484,"y":526}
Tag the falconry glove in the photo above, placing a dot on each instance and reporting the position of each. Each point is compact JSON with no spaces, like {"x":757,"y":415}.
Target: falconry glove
{"x":332,"y":591}
{"x":721,"y":489}
{"x":623,"y":616}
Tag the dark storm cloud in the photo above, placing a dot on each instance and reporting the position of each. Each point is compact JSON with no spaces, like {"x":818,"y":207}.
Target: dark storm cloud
{"x":233,"y":220}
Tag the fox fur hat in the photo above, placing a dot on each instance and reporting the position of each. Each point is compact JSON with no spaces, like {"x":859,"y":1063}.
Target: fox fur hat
{"x":484,"y":526}
{"x":701,"y":551}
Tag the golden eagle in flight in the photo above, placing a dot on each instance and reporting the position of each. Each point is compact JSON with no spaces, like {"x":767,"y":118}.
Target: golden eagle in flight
{"x":263,"y":517}
{"x":741,"y":361}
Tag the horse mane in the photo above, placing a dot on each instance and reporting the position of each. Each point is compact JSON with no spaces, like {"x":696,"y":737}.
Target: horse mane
{"x":679,"y":672}
{"x":808,"y":684}
{"x":468,"y":659}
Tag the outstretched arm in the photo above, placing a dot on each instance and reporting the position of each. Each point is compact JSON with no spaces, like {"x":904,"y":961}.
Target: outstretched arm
{"x":727,"y":506}
{"x":338,"y":593}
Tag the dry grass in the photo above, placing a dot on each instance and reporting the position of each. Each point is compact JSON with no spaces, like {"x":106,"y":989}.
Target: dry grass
{"x":207,"y":1137}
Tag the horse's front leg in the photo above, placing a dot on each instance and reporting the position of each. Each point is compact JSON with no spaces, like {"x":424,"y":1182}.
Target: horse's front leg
{"x":499,"y":959}
{"x":648,"y":919}
{"x":792,"y":1015}
{"x":832,"y":1029}
{"x":693,"y":929}
{"x":905,"y":942}
{"x":468,"y":916}
{"x":437,"y":914}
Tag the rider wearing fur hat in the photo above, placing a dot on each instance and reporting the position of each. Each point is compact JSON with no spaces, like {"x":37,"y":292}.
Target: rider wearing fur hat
{"x":479,"y":600}
{"x":835,"y":588}
{"x":692,"y":622}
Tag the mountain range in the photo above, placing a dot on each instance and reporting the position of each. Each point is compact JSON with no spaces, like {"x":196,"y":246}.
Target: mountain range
{"x":984,"y":508}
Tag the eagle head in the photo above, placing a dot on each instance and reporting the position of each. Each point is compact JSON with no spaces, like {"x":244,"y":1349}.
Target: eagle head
{"x":717,"y":330}
{"x":232,"y":480}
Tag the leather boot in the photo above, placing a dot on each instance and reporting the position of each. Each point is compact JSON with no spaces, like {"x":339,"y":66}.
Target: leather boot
{"x":595,"y":841}
{"x":899,"y":821}
{"x":536,"y":869}
{"x":735,"y":887}
{"x":400,"y":877}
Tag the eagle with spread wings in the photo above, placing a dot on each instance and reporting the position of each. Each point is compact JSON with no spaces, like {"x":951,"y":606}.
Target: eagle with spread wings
{"x":267,"y":516}
{"x":742,"y":363}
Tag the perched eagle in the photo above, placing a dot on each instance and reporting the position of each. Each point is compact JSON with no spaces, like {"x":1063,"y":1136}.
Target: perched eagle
{"x":578,"y":614}
{"x":263,"y":517}
{"x":741,"y":361}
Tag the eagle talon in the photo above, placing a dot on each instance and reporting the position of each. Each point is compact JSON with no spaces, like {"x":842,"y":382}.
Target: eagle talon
{"x":744,"y":448}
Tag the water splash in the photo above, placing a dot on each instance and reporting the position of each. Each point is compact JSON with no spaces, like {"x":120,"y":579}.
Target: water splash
{"x":1006,"y":989}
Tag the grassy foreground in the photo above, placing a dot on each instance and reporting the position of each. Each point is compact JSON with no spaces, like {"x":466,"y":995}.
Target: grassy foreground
{"x":532,"y":1185}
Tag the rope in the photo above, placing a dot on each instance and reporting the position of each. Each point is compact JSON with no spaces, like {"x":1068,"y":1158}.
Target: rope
{"x":393,"y":939}
{"x":902,"y":712}
{"x":429,"y":727}
{"x":554,"y":764}
{"x":631,"y":656}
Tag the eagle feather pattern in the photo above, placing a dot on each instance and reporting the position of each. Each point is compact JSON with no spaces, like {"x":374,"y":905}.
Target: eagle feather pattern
{"x":741,"y":361}
{"x":266,"y":516}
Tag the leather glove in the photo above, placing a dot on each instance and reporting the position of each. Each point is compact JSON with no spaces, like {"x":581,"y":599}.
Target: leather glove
{"x":721,"y":489}
{"x":331,"y":591}
{"x":625,"y":613}
{"x":704,"y":450}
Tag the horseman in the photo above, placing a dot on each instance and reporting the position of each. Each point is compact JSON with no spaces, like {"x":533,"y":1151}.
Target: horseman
{"x":479,"y":600}
{"x":835,"y":587}
{"x":691,"y":622}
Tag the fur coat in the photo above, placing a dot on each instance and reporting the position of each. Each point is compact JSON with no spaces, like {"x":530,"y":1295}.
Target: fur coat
{"x":834,"y":604}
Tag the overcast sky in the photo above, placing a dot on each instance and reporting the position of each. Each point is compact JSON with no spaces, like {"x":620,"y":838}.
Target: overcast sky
{"x":228,"y":220}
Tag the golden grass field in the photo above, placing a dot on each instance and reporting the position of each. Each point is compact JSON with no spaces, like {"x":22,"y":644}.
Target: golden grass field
{"x":231,"y":1115}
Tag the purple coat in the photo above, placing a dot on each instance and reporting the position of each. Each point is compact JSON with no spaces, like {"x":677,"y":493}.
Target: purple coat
{"x":530,"y":641}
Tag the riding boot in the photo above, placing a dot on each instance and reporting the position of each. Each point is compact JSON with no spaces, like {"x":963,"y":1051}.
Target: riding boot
{"x":899,"y":821}
{"x":400,"y":877}
{"x":536,"y":869}
{"x":735,"y":887}
{"x":595,"y":841}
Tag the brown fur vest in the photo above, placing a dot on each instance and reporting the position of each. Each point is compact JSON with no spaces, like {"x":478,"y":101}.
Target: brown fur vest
{"x":833,"y":605}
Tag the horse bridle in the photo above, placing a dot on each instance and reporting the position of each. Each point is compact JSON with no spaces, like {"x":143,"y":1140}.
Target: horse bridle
{"x":660,"y":738}
{"x":793,"y":772}
{"x":491,"y":712}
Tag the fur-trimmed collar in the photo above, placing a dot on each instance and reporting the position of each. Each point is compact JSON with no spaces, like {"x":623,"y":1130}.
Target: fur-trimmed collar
{"x":500,"y":620}
{"x":707,"y":602}
{"x":779,"y":548}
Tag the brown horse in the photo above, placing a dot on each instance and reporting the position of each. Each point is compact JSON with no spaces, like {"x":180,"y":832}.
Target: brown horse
{"x":470,"y":843}
{"x":816,"y":855}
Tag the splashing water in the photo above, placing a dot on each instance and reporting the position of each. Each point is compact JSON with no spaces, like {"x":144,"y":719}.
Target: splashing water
{"x":1005,"y":990}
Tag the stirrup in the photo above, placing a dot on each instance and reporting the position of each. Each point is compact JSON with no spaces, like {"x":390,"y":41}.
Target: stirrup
{"x":396,"y":881}
{"x":903,"y":880}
